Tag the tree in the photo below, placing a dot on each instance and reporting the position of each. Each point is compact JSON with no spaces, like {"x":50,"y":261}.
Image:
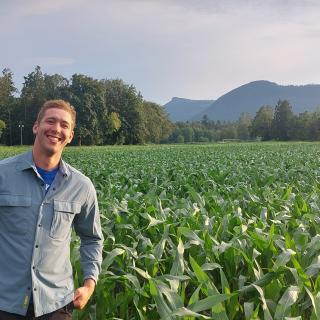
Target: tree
{"x":87,"y":96}
{"x":301,"y":126}
{"x":262,"y":122}
{"x":229,"y":131}
{"x":114,"y":122}
{"x":282,"y":120}
{"x":314,"y":126}
{"x":112,"y":126}
{"x":124,"y":100}
{"x":156,"y":124}
{"x":7,"y":103}
{"x":33,"y":95}
{"x":205,"y":121}
{"x":243,"y":126}
{"x":2,"y":127}
{"x":188,"y":134}
{"x":55,"y":86}
{"x":180,"y":138}
{"x":176,"y":132}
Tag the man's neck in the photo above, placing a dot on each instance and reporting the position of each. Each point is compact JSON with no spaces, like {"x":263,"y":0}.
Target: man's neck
{"x":44,"y":161}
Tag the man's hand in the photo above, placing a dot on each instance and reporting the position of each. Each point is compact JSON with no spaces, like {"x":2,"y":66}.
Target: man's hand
{"x":83,"y":294}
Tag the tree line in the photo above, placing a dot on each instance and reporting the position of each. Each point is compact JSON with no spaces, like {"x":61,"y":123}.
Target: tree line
{"x":108,"y":111}
{"x":269,"y":123}
{"x":113,"y":112}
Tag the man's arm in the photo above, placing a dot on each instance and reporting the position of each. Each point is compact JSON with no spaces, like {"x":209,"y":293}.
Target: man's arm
{"x":88,"y":228}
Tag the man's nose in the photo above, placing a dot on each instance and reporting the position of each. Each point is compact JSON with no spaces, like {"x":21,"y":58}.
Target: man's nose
{"x":56,"y":127}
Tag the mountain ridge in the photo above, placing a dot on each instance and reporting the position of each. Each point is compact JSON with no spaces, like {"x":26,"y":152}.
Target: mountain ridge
{"x":182,"y":109}
{"x":249,"y":98}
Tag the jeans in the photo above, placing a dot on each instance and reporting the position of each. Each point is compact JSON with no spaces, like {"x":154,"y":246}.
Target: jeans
{"x":64,"y":313}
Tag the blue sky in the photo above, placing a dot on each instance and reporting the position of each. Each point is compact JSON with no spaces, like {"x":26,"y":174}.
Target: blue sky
{"x":197,"y":49}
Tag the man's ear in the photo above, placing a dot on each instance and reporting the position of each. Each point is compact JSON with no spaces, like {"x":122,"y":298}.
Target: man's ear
{"x":71,"y":136}
{"x":35,"y":128}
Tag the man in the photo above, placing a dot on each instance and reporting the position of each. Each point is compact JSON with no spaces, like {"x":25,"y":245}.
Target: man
{"x":41,"y":199}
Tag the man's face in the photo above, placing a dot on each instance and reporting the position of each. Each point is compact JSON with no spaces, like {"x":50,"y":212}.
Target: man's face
{"x":53,"y":132}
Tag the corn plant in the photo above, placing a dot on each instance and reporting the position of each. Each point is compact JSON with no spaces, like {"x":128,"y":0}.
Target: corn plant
{"x":225,"y":231}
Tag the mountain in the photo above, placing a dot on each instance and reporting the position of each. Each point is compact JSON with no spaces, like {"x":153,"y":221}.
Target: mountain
{"x":251,"y":96}
{"x":180,"y":109}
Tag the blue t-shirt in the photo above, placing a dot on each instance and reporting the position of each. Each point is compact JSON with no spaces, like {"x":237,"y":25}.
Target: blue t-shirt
{"x":47,"y":176}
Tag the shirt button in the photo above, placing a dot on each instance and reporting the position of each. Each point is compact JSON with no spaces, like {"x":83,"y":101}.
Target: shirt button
{"x":54,"y":189}
{"x":37,"y":246}
{"x":34,"y":289}
{"x":39,"y":225}
{"x":33,"y":267}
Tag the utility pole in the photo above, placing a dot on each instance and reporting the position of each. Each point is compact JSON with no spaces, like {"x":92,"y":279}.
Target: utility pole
{"x":21,"y":126}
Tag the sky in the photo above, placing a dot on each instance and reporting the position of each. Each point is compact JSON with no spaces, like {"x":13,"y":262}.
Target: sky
{"x":195,"y":49}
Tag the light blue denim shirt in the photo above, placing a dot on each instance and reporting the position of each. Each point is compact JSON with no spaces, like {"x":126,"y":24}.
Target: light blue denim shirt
{"x":35,"y":234}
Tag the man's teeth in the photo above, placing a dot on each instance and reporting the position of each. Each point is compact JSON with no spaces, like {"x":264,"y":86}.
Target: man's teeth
{"x":55,"y":139}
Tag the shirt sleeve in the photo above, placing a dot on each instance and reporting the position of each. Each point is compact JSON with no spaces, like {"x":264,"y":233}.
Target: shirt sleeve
{"x":88,"y":227}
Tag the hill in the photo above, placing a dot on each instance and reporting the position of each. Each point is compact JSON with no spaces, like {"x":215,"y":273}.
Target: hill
{"x":250,"y":97}
{"x":180,"y":109}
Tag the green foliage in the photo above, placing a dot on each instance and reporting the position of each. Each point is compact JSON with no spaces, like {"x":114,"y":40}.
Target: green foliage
{"x":266,"y":125}
{"x":261,"y":124}
{"x":2,"y":127}
{"x":282,"y":120}
{"x":156,"y":125}
{"x":114,"y":122}
{"x":33,"y":95}
{"x":87,"y":95}
{"x":124,"y":100}
{"x":7,"y":103}
{"x":244,"y":124}
{"x":108,"y":111}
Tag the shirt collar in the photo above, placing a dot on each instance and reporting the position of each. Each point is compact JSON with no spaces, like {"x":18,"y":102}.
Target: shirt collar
{"x":63,"y":167}
{"x":28,"y":163}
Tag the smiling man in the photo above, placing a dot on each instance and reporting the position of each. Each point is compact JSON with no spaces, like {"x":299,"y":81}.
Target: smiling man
{"x":42,"y":199}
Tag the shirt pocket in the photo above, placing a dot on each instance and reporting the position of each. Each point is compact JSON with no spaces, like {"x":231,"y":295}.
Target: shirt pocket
{"x":63,"y":215}
{"x":14,"y":213}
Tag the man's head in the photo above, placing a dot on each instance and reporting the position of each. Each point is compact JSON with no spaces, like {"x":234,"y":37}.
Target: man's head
{"x":58,"y":104}
{"x":53,"y":128}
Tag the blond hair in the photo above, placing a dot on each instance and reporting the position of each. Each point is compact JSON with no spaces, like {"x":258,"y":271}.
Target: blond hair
{"x":58,"y":104}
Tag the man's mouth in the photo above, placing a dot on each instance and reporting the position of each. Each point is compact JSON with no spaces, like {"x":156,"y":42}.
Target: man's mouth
{"x":54,"y":138}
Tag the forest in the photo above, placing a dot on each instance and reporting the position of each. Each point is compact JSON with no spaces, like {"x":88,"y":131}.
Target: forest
{"x":110,"y":112}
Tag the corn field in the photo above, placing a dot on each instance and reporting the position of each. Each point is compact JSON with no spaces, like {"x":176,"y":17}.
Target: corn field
{"x":224,"y":231}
